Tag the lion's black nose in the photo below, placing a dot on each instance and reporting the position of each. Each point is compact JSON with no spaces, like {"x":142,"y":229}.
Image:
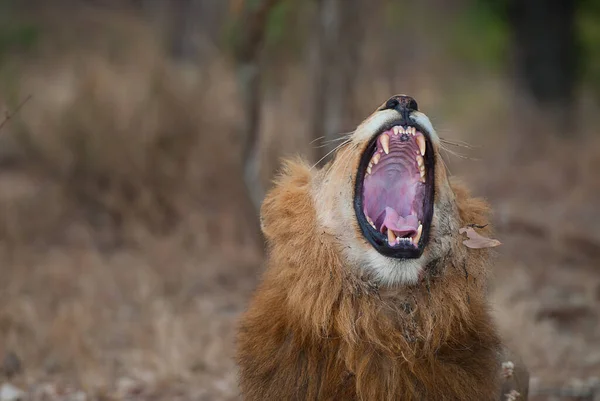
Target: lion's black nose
{"x":401,"y":103}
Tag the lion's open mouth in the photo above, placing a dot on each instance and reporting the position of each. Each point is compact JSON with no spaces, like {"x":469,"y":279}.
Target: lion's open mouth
{"x":394,"y":191}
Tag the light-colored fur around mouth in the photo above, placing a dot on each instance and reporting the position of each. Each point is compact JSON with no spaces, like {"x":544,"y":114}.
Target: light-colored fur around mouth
{"x":340,"y":220}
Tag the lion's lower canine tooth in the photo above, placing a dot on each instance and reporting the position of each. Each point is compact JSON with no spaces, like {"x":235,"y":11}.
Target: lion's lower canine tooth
{"x":391,"y":236}
{"x":417,"y":237}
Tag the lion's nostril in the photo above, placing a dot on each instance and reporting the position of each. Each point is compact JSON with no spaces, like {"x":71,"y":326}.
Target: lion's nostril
{"x":392,"y":103}
{"x":411,"y":104}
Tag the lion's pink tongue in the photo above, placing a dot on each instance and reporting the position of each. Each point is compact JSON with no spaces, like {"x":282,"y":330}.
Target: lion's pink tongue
{"x":402,"y":226}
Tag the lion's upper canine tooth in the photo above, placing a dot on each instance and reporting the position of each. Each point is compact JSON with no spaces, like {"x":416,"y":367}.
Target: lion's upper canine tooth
{"x":385,"y":143}
{"x":421,"y":142}
{"x":391,"y":236}
{"x":417,"y":237}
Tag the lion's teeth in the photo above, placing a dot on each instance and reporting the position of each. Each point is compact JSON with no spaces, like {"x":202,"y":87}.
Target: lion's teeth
{"x":420,"y":161}
{"x":421,"y":143}
{"x":396,"y":130}
{"x":417,"y":237}
{"x":375,"y":158}
{"x":422,"y":172}
{"x":369,"y":169}
{"x":391,"y":236}
{"x":385,"y":143}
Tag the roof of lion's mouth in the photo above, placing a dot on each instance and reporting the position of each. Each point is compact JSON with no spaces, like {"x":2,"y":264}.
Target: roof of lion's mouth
{"x":394,"y":194}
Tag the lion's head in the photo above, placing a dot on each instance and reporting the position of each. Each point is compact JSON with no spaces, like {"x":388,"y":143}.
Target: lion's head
{"x":385,"y":196}
{"x":382,"y":213}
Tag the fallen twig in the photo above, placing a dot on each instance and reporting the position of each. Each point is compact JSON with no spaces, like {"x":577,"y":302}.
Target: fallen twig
{"x":8,"y":115}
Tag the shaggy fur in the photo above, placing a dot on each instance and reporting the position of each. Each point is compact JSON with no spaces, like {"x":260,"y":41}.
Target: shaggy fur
{"x":321,"y":327}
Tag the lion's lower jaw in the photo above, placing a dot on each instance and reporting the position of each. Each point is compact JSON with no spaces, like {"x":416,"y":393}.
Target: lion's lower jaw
{"x":386,"y":271}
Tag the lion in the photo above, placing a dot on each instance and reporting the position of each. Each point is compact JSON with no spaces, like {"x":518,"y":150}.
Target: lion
{"x":370,"y":292}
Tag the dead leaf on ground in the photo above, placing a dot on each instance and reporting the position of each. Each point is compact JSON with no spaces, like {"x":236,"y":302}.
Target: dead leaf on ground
{"x":477,"y":241}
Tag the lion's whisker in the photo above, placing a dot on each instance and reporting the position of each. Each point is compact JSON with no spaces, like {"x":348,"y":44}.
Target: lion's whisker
{"x":330,"y":152}
{"x":457,"y":143}
{"x":461,"y":156}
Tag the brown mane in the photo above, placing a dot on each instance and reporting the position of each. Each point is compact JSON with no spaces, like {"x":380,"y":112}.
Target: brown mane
{"x":318,"y":330}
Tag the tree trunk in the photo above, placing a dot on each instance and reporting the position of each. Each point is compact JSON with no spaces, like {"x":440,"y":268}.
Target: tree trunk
{"x":251,"y":35}
{"x":183,"y":29}
{"x":197,"y":29}
{"x":546,"y":57}
{"x":335,"y":62}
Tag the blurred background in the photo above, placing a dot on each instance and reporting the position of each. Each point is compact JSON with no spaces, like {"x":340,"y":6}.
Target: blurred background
{"x":138,"y":138}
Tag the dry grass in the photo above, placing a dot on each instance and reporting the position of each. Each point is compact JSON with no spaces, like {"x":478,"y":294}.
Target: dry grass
{"x":546,"y":284}
{"x":127,"y":240}
{"x":129,"y":247}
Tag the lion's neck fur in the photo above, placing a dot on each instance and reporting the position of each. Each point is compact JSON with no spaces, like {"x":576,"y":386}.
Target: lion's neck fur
{"x":404,"y":342}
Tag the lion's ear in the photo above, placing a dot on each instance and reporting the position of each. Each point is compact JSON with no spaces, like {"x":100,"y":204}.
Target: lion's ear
{"x":288,"y":208}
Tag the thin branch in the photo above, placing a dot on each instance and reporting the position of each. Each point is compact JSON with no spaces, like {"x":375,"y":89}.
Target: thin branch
{"x":8,"y":116}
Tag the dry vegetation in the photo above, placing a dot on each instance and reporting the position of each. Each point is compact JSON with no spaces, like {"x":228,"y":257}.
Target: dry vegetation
{"x":129,"y":247}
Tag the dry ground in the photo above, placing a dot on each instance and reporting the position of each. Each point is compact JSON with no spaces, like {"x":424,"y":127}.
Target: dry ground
{"x":128,"y":248}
